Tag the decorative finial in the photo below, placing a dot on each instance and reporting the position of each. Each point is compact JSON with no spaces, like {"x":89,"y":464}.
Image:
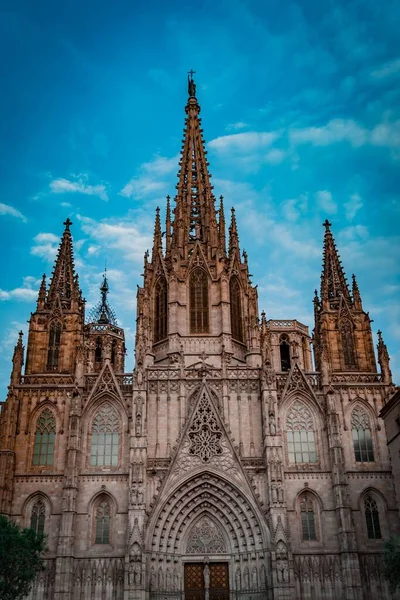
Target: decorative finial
{"x":20,"y":334}
{"x":191,"y":84}
{"x":327,"y":225}
{"x":67,"y":224}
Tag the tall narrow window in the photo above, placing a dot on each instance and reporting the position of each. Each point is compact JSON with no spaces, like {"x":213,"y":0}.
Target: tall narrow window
{"x":43,"y":451}
{"x":113,"y":352}
{"x":103,"y":522}
{"x":236,"y":309}
{"x":362,"y":439}
{"x":284,"y":348}
{"x":53,"y":352}
{"x":161,"y":307}
{"x":98,"y":350}
{"x":38,"y":516}
{"x":300,"y":435}
{"x":198,"y":286}
{"x":372,"y":518}
{"x":105,"y":438}
{"x":308,"y":531}
{"x":347,"y":338}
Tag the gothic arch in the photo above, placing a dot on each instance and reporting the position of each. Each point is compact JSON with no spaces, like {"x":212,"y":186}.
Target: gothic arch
{"x":207,"y":492}
{"x":54,"y":347}
{"x":37,"y":413}
{"x":299,"y":415}
{"x":102,"y":497}
{"x":206,"y":536}
{"x":98,"y":404}
{"x":30,"y":502}
{"x":199,"y":302}
{"x":363,"y":407}
{"x":312,"y":493}
{"x":46,"y":403}
{"x":317,"y":508}
{"x":160,"y":310}
{"x":373,"y":498}
{"x":347,"y":342}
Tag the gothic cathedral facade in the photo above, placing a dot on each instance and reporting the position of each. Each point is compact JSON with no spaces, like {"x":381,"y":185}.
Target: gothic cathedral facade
{"x":225,"y":466}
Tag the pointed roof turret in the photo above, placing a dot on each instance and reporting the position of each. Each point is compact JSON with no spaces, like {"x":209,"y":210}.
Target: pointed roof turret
{"x":333,"y":280}
{"x":17,"y":360}
{"x":194,"y":213}
{"x":383,"y":359}
{"x":356,"y":294}
{"x":157,"y":240}
{"x":63,"y":282}
{"x":233,"y":234}
{"x":102,"y":313}
{"x":222,"y":234}
{"x":168,"y":226}
{"x":42,"y":294}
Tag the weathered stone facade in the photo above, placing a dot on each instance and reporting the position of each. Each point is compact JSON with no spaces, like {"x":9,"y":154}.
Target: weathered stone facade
{"x":224,"y":461}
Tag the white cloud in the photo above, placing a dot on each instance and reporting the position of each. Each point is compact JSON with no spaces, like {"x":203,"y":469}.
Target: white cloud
{"x":353,"y":206}
{"x":236,"y":126}
{"x":6,"y":209}
{"x":132,"y":238}
{"x":27,"y":292}
{"x":337,"y":130}
{"x":79,"y":185}
{"x":387,"y":70}
{"x":243,"y":142}
{"x":45,"y":245}
{"x":386,"y":134}
{"x":275,"y":156}
{"x":93,"y":250}
{"x":294,"y":207}
{"x":326,"y":202}
{"x":65,"y":204}
{"x":150,"y":177}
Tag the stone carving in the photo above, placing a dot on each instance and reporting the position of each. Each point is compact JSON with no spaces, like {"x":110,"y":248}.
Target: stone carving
{"x":205,"y":538}
{"x":204,"y":432}
{"x":238,"y":579}
{"x":360,"y":419}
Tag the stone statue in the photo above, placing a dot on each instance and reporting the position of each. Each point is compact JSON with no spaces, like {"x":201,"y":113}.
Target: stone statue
{"x":237,"y":579}
{"x":138,"y":574}
{"x":274,"y":494}
{"x":138,"y":427}
{"x":272,"y":424}
{"x":206,"y":574}
{"x":191,"y":85}
{"x":131,"y":574}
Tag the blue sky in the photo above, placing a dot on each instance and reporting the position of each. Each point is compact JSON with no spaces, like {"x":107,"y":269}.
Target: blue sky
{"x":301,"y":114}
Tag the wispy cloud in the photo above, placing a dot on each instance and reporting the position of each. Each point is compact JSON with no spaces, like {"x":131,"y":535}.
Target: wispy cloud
{"x":6,"y":209}
{"x":79,"y":184}
{"x":236,"y":126}
{"x":326,"y":202}
{"x":150,"y":177}
{"x":27,"y":292}
{"x":249,"y":141}
{"x":352,"y":207}
{"x":387,"y":69}
{"x":45,"y":245}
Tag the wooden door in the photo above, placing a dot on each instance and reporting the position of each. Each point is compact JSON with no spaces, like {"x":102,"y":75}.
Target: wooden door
{"x":219,"y":581}
{"x":194,"y":581}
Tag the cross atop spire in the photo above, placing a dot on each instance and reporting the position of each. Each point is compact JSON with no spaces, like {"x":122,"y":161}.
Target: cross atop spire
{"x":333,"y":279}
{"x":64,"y":282}
{"x":191,"y":84}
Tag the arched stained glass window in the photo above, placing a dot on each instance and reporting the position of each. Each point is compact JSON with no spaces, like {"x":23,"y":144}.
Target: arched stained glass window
{"x":300,"y":433}
{"x":105,"y":438}
{"x":43,"y":450}
{"x":347,"y":338}
{"x":98,"y":350}
{"x":198,"y":285}
{"x":362,"y":439}
{"x":161,"y":310}
{"x":308,"y":531}
{"x":103,"y":522}
{"x":236,"y":309}
{"x":38,"y":516}
{"x":53,"y":352}
{"x":372,"y":518}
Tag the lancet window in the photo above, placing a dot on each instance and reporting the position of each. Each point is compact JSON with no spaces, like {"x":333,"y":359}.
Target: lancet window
{"x":103,"y":522}
{"x":362,"y":439}
{"x":53,"y":352}
{"x":161,"y":306}
{"x":43,"y":450}
{"x":347,"y":338}
{"x":236,"y":309}
{"x":284,"y":348}
{"x":113,"y":352}
{"x":104,"y":448}
{"x":372,"y":518}
{"x":300,"y":431}
{"x":38,"y":516}
{"x":198,"y":286}
{"x":98,"y":350}
{"x":307,"y":512}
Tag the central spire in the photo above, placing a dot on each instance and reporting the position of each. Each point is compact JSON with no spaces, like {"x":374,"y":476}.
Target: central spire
{"x":195,"y":213}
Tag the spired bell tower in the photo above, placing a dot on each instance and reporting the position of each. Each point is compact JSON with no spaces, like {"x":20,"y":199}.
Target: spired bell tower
{"x":197,"y":295}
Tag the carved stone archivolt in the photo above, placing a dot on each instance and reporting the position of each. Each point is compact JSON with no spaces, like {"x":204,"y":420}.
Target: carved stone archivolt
{"x":205,"y":537}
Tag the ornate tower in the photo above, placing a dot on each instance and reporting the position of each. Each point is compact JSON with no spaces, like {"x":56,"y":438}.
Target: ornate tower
{"x":55,"y":328}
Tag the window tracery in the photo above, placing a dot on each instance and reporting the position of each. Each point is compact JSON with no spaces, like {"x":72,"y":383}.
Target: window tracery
{"x":205,"y":538}
{"x":362,"y":439}
{"x":43,"y":450}
{"x":53,"y":352}
{"x":236,"y":309}
{"x":372,"y":518}
{"x":198,"y":291}
{"x":300,"y":434}
{"x":284,"y":349}
{"x":347,"y":338}
{"x":161,"y":310}
{"x":307,"y":513}
{"x":105,"y":438}
{"x":103,"y":522}
{"x":38,"y":516}
{"x":204,"y":432}
{"x":98,"y":350}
